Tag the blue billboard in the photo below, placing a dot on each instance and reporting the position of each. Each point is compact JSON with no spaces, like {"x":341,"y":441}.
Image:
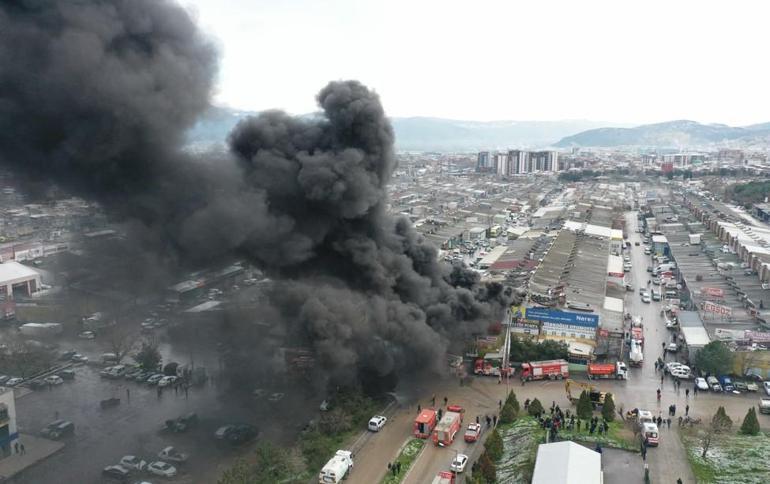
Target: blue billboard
{"x":546,"y":315}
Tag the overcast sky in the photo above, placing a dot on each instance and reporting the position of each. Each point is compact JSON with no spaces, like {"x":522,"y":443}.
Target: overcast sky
{"x":619,"y":60}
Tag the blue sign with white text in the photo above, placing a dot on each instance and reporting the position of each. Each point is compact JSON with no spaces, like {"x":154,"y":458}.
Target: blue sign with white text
{"x":587,"y":320}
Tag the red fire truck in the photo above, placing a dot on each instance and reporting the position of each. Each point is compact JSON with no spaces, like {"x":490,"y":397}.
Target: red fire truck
{"x":540,"y":370}
{"x":448,"y":426}
{"x":444,"y":477}
{"x":424,"y":423}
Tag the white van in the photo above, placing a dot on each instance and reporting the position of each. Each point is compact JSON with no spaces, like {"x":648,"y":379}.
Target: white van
{"x":650,"y":432}
{"x":337,"y":468}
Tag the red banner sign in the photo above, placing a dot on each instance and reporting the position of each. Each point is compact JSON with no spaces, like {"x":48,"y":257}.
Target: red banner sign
{"x":713,"y":292}
{"x":717,"y":309}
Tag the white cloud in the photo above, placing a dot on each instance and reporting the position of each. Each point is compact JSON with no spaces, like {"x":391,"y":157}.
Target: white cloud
{"x":637,"y":61}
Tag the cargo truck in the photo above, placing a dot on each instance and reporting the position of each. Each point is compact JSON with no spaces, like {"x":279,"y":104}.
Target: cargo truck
{"x":424,"y":423}
{"x":540,"y":370}
{"x":337,"y":468}
{"x":448,"y":426}
{"x":615,"y":370}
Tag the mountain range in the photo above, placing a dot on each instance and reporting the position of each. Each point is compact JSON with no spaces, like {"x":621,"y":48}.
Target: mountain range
{"x":437,"y":134}
{"x":425,"y":134}
{"x":671,"y":134}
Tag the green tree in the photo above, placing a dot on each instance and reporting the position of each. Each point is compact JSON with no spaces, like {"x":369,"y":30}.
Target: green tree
{"x":535,"y":408}
{"x":494,"y":445}
{"x":513,"y":401}
{"x":508,"y":413}
{"x":488,"y":468}
{"x":148,"y":356}
{"x":750,"y":425}
{"x":584,"y":407}
{"x":240,"y":473}
{"x":608,"y":409}
{"x":714,"y":358}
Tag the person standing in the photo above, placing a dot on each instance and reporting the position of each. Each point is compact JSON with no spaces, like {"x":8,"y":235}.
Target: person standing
{"x":687,"y":410}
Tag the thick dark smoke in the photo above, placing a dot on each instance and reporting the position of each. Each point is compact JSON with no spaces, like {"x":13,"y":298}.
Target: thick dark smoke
{"x":96,"y":96}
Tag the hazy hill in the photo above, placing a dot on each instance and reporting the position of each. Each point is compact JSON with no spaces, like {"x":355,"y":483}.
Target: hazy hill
{"x":424,"y":134}
{"x":668,"y":134}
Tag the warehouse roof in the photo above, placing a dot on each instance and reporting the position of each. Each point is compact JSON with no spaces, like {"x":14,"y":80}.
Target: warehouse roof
{"x":12,"y":272}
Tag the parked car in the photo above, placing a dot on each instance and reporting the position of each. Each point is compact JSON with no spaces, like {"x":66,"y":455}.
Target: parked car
{"x":766,"y":386}
{"x":4,"y":378}
{"x":740,"y":386}
{"x":86,"y":335}
{"x":78,"y":358}
{"x":166,"y":381}
{"x":645,"y":298}
{"x":751,"y":386}
{"x":12,"y":382}
{"x":38,"y":384}
{"x":377,"y":422}
{"x":160,"y":468}
{"x":714,"y":384}
{"x":458,"y":463}
{"x":171,"y":454}
{"x":154,"y":379}
{"x":183,"y":423}
{"x":241,"y":434}
{"x":58,"y":429}
{"x":681,"y":373}
{"x":67,"y":374}
{"x":133,"y":462}
{"x":672,"y":348}
{"x":727,"y":383}
{"x":116,"y":472}
{"x":54,"y":380}
{"x":701,"y":384}
{"x":221,"y":432}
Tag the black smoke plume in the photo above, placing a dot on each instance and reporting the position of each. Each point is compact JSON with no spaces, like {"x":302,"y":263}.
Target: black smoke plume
{"x":96,"y":96}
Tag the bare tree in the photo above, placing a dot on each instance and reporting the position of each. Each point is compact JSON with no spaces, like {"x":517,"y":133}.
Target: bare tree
{"x":122,"y":342}
{"x":719,"y":423}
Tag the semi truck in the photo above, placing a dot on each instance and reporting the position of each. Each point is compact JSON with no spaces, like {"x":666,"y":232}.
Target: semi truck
{"x":447,"y":428}
{"x":540,"y":370}
{"x":337,"y":468}
{"x":424,"y":423}
{"x":617,"y":370}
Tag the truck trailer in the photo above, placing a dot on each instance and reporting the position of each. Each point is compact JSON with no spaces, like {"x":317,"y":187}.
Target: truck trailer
{"x":424,"y":423}
{"x":447,"y":428}
{"x":337,"y":468}
{"x":540,"y":370}
{"x":635,"y":355}
{"x":617,"y":370}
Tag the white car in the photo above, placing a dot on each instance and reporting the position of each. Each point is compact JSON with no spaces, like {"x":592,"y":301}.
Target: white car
{"x":766,"y":385}
{"x":170,"y":453}
{"x":133,"y":462}
{"x":671,"y":365}
{"x":681,"y":373}
{"x":672,"y":348}
{"x":166,"y":381}
{"x":160,"y":468}
{"x":87,"y":335}
{"x":645,"y":298}
{"x":12,"y":382}
{"x":54,"y":380}
{"x":458,"y":463}
{"x":78,"y":358}
{"x":377,"y":422}
{"x":701,"y":384}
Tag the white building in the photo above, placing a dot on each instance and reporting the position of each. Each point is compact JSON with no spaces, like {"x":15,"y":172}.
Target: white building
{"x":8,"y":433}
{"x":18,"y":277}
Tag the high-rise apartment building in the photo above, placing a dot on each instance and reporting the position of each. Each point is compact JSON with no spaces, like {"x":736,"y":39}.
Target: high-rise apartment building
{"x":518,"y":162}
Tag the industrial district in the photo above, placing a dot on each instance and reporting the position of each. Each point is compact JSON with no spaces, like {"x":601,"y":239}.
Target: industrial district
{"x":307,"y":299}
{"x":644,"y":295}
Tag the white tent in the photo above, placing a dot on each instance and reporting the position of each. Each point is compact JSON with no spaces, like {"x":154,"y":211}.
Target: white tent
{"x":567,"y":463}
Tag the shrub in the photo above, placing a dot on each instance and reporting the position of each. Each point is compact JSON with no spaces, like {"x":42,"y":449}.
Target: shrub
{"x":494,"y":445}
{"x":488,"y":468}
{"x":585,"y":409}
{"x":535,"y":408}
{"x":508,"y":414}
{"x":608,"y":410}
{"x":750,"y":424}
{"x":513,"y":401}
